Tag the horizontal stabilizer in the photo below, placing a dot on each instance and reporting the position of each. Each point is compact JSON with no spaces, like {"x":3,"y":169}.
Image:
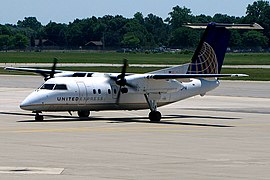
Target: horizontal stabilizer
{"x":179,"y":76}
{"x":254,"y":26}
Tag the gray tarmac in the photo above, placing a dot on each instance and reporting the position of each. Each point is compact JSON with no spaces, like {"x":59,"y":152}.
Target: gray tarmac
{"x":224,"y":135}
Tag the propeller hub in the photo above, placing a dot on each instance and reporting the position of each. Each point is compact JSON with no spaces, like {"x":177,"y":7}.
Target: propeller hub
{"x":121,"y":81}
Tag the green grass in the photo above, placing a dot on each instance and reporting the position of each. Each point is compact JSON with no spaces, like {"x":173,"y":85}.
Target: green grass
{"x":247,"y":59}
{"x":257,"y":74}
{"x":134,"y":58}
{"x":137,"y":58}
{"x":86,"y":57}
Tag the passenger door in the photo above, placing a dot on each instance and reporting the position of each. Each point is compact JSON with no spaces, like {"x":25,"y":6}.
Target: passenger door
{"x":82,"y":92}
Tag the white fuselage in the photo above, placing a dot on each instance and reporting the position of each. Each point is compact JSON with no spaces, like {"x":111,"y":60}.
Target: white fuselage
{"x":100,"y":93}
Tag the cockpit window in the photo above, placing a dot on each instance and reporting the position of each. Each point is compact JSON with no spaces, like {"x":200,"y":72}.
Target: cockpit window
{"x":60,"y":87}
{"x":79,"y":74}
{"x":47,"y":86}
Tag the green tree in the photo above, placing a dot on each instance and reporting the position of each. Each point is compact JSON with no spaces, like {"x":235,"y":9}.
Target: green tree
{"x":254,"y":39}
{"x":139,"y":17}
{"x":56,"y":33}
{"x":74,"y":34}
{"x":5,"y":30}
{"x":236,"y":40}
{"x":224,"y":18}
{"x":31,"y":28}
{"x":133,"y":27}
{"x":114,"y":30}
{"x":157,"y":28}
{"x":179,"y":16}
{"x":130,"y":40}
{"x":19,"y":41}
{"x":203,"y":19}
{"x":4,"y":41}
{"x":184,"y":38}
{"x":259,"y":12}
{"x":30,"y":22}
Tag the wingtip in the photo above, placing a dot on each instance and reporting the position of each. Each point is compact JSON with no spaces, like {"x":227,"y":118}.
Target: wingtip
{"x":239,"y":75}
{"x":7,"y":68}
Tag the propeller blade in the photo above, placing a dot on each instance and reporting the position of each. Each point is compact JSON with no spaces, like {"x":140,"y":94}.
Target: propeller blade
{"x":124,"y":68}
{"x":53,"y":68}
{"x":121,"y":81}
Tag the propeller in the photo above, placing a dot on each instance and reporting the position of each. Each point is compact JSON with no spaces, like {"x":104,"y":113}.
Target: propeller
{"x":121,"y":81}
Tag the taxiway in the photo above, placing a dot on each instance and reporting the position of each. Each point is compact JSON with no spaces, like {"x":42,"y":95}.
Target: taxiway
{"x":224,"y":135}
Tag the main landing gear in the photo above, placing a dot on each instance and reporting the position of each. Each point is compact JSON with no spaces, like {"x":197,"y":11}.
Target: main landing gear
{"x":83,"y":114}
{"x":154,"y":115}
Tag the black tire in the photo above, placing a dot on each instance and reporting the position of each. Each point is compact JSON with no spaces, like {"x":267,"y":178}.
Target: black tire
{"x":39,"y":118}
{"x":154,"y":116}
{"x":83,"y":114}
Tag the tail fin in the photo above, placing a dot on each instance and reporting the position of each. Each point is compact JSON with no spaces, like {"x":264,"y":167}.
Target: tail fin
{"x":209,"y":55}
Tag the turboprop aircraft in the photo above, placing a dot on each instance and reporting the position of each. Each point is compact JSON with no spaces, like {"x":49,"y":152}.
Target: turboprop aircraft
{"x":92,"y":91}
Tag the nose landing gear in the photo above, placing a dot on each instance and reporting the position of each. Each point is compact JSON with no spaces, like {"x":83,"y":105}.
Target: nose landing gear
{"x":38,"y":117}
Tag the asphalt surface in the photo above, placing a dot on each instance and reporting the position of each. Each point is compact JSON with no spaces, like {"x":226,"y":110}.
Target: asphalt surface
{"x":224,"y":135}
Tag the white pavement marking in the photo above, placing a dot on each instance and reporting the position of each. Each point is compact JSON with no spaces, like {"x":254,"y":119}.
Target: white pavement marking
{"x":30,"y":170}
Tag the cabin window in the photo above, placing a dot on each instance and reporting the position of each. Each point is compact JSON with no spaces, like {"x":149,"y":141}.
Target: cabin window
{"x":60,"y":87}
{"x":114,"y":91}
{"x":47,"y":86}
{"x":89,"y":74}
{"x":109,"y":91}
{"x":94,"y":91}
{"x":99,"y":91}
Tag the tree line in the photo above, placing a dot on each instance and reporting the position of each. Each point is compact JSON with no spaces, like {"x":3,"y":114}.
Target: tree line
{"x":146,"y":32}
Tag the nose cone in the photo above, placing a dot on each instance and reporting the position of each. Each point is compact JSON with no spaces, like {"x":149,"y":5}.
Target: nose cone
{"x":32,"y":102}
{"x":26,"y":104}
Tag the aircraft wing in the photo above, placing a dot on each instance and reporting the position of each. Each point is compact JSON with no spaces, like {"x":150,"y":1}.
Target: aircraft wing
{"x":38,"y":71}
{"x":184,"y":76}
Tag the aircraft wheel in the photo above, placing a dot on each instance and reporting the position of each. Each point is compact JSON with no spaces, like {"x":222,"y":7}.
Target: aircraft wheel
{"x":154,"y":116}
{"x":83,"y":114}
{"x":39,"y":117}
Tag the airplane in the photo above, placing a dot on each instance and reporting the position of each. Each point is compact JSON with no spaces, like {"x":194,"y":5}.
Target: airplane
{"x":84,"y":92}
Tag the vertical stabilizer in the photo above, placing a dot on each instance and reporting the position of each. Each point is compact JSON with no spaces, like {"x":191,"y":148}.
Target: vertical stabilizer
{"x":209,"y":55}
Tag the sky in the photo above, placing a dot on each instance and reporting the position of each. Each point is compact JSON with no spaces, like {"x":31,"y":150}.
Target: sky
{"x":65,"y":11}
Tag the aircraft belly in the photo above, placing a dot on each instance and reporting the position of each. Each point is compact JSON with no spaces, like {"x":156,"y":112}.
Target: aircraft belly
{"x":99,"y":107}
{"x":127,"y":102}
